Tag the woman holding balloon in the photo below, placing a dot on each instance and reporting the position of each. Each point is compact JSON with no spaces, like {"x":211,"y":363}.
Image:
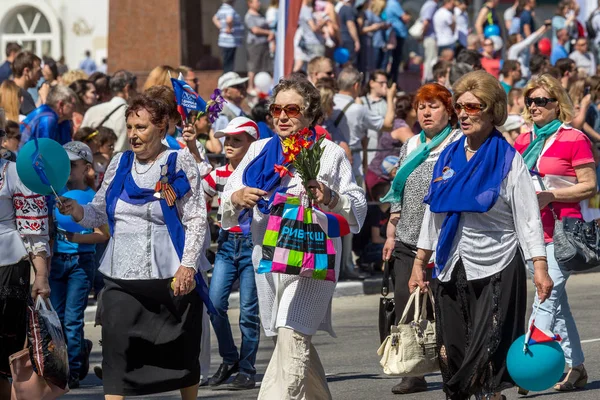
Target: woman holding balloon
{"x":482,"y":222}
{"x":487,"y":23}
{"x":24,"y":241}
{"x":153,"y":202}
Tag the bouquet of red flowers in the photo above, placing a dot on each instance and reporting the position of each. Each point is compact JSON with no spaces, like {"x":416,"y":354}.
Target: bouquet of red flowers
{"x":302,"y":150}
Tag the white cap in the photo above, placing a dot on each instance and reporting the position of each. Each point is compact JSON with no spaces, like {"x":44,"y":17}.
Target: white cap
{"x":514,"y":121}
{"x":79,"y":151}
{"x":237,"y":126}
{"x":230,"y":79}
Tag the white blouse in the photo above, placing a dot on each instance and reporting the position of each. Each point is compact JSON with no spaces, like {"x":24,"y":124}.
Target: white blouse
{"x":141,"y":247}
{"x":23,"y":218}
{"x":299,"y":303}
{"x":487,"y":242}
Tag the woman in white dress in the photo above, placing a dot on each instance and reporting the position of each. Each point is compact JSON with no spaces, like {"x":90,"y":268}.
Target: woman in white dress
{"x":152,"y":199}
{"x":293,"y":308}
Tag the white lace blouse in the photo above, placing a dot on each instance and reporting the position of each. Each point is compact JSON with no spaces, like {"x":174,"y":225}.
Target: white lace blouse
{"x":302,"y":304}
{"x":23,"y":218}
{"x":141,"y":247}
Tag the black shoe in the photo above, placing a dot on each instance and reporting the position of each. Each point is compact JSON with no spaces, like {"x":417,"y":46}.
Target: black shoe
{"x":410,"y":385}
{"x":223,"y":373}
{"x":242,"y":382}
{"x":85,"y":365}
{"x":73,"y":383}
{"x":98,"y":371}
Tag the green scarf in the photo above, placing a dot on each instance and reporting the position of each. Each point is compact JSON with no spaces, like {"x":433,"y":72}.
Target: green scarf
{"x":411,"y":162}
{"x":533,"y":151}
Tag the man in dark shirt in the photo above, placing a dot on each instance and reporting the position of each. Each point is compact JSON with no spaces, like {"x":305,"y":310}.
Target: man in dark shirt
{"x":27,"y":71}
{"x":12,"y":49}
{"x":349,"y":29}
{"x":526,"y":17}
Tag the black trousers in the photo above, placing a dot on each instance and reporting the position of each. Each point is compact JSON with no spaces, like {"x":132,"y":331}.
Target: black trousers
{"x":228,"y":54}
{"x":477,"y":322}
{"x":404,"y":257}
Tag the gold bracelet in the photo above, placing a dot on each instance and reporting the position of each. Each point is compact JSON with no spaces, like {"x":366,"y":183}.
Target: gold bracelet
{"x":534,"y":259}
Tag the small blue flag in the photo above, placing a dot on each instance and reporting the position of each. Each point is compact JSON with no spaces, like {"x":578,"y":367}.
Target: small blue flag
{"x":38,"y":164}
{"x":187,"y":99}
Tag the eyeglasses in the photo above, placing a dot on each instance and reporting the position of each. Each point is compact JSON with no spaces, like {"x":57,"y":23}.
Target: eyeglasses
{"x":291,"y":110}
{"x":470,"y":108}
{"x":381,"y":82}
{"x":539,"y":101}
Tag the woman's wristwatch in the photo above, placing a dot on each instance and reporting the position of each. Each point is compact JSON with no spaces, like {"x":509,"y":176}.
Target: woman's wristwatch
{"x":333,"y":199}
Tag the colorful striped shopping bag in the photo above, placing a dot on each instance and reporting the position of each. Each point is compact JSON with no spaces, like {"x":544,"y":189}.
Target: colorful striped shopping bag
{"x":295,"y":243}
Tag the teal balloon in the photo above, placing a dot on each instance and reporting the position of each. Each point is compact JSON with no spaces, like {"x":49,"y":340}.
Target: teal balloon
{"x":65,"y":222}
{"x":56,"y":165}
{"x":540,"y":368}
{"x":341,"y":55}
{"x":491,"y":30}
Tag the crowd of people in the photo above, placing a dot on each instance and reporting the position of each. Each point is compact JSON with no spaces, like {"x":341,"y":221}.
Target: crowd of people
{"x":500,"y":97}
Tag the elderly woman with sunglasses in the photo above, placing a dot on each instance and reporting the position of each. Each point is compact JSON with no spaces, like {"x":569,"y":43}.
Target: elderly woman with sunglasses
{"x":481,"y":210}
{"x":563,"y":156}
{"x":293,"y":308}
{"x":433,"y":105}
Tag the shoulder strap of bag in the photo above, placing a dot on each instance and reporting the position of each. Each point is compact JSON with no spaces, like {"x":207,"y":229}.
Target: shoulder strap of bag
{"x":385,"y":284}
{"x":109,"y":115}
{"x":339,"y":118}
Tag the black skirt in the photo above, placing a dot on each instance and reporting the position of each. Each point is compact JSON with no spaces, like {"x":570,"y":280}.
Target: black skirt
{"x":150,"y":338}
{"x":477,"y":321}
{"x":14,"y":298}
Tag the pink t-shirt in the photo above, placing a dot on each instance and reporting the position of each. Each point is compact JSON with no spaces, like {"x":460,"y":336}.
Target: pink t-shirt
{"x":570,"y":149}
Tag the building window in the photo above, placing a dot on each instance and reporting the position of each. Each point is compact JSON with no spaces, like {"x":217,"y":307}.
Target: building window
{"x":31,"y":29}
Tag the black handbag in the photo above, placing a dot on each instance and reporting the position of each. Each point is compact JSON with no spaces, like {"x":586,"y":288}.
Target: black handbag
{"x":387,"y":306}
{"x":576,"y":242}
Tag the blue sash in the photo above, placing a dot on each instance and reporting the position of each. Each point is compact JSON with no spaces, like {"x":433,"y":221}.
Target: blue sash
{"x":459,"y":186}
{"x":123,"y":187}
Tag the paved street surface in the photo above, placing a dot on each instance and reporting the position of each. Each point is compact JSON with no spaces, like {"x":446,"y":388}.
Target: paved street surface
{"x":351,"y":362}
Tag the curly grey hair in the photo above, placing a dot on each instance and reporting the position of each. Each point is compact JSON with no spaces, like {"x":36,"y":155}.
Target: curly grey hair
{"x":310,"y":94}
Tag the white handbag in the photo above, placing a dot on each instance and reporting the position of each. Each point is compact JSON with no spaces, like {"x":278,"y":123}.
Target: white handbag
{"x":416,"y":30}
{"x":411,"y":349}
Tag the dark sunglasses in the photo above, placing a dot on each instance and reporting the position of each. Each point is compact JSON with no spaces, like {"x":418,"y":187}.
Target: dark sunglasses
{"x":470,"y":108}
{"x":539,"y":101}
{"x":291,"y":110}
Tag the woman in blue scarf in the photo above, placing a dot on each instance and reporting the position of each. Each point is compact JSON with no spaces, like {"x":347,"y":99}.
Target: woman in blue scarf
{"x":482,"y":221}
{"x":153,"y":202}
{"x":292,"y":308}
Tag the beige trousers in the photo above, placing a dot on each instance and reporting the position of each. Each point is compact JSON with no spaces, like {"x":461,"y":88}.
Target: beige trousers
{"x":295,"y":371}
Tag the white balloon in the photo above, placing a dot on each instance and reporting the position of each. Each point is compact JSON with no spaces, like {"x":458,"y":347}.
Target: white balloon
{"x":263,"y":82}
{"x":498,"y":42}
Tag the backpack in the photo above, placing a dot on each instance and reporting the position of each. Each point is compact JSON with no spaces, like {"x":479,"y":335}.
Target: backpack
{"x":589,"y":26}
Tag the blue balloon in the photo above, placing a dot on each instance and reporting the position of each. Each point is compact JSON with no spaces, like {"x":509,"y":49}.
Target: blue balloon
{"x":341,"y":55}
{"x":65,"y":222}
{"x":56,"y":165}
{"x":539,"y":368}
{"x":491,"y":30}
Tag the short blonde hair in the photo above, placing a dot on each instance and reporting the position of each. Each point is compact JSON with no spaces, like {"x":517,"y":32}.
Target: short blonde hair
{"x":160,"y":76}
{"x":555,"y":90}
{"x":73,"y":75}
{"x":487,"y":89}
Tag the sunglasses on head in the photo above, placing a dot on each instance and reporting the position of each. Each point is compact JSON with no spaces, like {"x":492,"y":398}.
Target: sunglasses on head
{"x":291,"y":110}
{"x":470,"y":108}
{"x":539,"y":101}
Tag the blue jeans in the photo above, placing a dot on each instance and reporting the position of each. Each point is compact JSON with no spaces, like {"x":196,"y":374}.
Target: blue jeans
{"x":233,"y":261}
{"x":555,"y":315}
{"x":71,"y":277}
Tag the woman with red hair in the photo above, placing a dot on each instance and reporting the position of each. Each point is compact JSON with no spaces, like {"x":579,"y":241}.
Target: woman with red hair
{"x":436,"y":116}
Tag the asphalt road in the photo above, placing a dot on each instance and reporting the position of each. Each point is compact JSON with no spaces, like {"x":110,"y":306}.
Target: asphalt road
{"x":351,"y":362}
